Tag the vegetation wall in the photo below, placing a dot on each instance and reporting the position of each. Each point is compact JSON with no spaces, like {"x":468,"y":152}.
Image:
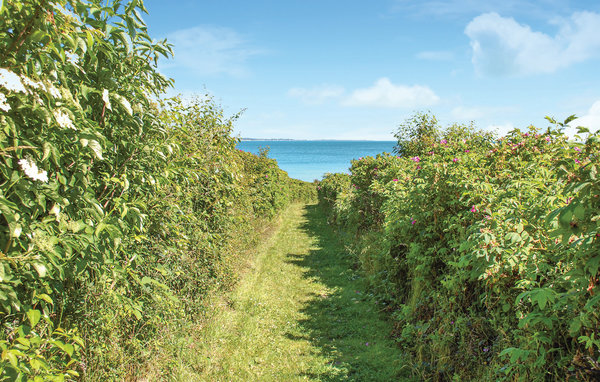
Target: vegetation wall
{"x":486,"y":251}
{"x":119,"y":211}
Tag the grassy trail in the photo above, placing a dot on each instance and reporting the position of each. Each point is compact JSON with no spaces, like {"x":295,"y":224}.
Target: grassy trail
{"x":298,"y":314}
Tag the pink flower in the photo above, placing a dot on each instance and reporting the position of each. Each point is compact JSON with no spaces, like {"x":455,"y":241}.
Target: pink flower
{"x":467,"y":151}
{"x":577,"y":161}
{"x":394,"y":180}
{"x":455,"y":160}
{"x":577,"y":149}
{"x":443,"y":141}
{"x":547,"y":139}
{"x":526,"y":134}
{"x":418,"y":167}
{"x":431,"y":153}
{"x":473,"y":209}
{"x":266,"y":176}
{"x":416,"y":159}
{"x":413,"y":222}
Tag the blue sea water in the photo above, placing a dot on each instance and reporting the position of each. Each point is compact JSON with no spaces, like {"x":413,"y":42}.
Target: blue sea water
{"x":310,"y":160}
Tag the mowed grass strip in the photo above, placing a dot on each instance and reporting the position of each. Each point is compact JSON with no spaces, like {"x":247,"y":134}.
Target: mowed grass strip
{"x":298,"y":314}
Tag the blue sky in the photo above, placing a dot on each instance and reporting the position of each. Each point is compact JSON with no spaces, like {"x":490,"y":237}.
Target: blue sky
{"x":324,"y":69}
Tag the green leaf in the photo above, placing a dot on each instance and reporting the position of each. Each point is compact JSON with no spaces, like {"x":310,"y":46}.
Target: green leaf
{"x":34,"y":316}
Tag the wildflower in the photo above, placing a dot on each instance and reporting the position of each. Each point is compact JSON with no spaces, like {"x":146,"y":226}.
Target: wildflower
{"x":455,"y":160}
{"x":467,"y":151}
{"x":54,"y":92}
{"x":56,"y":210}
{"x":31,"y":83}
{"x":394,"y":180}
{"x":30,"y":169}
{"x":418,"y":167}
{"x":443,"y":141}
{"x":431,"y":153}
{"x":3,"y":104}
{"x":547,"y":139}
{"x":473,"y":209}
{"x":11,"y":81}
{"x":577,"y":148}
{"x":526,"y":134}
{"x":413,"y":221}
{"x":416,"y":159}
{"x":577,"y":161}
{"x":107,"y":100}
{"x":63,"y":119}
{"x":366,"y":344}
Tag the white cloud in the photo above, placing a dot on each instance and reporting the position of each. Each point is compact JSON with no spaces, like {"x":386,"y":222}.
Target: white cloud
{"x":501,"y":46}
{"x":591,"y":120}
{"x":386,"y":94}
{"x":317,"y":95}
{"x":207,"y":50}
{"x":501,"y":130}
{"x":435,"y":55}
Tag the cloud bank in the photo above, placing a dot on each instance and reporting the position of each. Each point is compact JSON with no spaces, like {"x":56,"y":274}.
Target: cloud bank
{"x":503,"y":47}
{"x":385,"y":94}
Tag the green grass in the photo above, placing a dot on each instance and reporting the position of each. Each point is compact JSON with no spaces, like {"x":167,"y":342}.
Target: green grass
{"x":299,"y":313}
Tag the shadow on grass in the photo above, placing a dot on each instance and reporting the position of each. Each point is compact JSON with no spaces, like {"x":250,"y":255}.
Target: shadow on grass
{"x":343,"y":322}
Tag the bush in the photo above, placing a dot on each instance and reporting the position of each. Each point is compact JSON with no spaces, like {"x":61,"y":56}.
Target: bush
{"x":484,"y":249}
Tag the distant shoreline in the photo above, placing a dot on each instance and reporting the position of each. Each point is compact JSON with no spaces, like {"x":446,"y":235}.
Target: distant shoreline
{"x":312,"y":140}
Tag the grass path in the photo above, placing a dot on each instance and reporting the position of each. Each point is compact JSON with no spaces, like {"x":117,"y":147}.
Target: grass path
{"x":298,"y":314}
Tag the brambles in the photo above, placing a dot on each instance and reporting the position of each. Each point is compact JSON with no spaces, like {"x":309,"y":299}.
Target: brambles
{"x":487,"y":249}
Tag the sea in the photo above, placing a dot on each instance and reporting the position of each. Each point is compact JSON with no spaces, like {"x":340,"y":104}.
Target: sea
{"x":310,"y":160}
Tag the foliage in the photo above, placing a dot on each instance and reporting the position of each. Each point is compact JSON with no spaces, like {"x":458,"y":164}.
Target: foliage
{"x":117,"y":209}
{"x":486,"y":249}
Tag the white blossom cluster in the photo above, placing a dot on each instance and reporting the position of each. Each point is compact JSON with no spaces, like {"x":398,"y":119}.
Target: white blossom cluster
{"x":31,"y":170}
{"x":15,"y":83}
{"x":11,"y":81}
{"x":106,"y":99}
{"x":63,"y":119}
{"x":3,"y":104}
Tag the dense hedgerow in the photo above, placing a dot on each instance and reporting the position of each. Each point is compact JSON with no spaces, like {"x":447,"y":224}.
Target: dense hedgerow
{"x":486,"y":250}
{"x":119,"y":213}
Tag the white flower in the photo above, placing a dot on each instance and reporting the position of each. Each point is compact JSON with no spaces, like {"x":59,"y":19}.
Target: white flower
{"x":56,"y":210}
{"x":31,"y":170}
{"x":3,"y":104}
{"x":63,"y":119}
{"x":54,"y":92}
{"x":33,"y":84}
{"x":106,"y":99}
{"x":11,"y":81}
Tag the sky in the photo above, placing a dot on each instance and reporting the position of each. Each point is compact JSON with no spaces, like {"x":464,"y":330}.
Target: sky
{"x":325,"y":69}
